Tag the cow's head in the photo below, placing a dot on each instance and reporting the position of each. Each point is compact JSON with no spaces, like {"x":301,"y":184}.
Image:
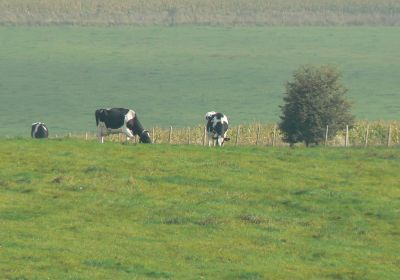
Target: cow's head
{"x":210,"y":115}
{"x":145,"y":137}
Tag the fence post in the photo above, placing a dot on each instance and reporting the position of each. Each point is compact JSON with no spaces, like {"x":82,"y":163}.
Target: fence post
{"x":389,"y":136}
{"x":153,"y":135}
{"x":86,"y":136}
{"x":346,"y":141}
{"x":189,"y":136}
{"x":326,"y":136}
{"x":237,"y":135}
{"x":258,"y":134}
{"x":366,"y":136}
{"x":204,"y":135}
{"x":274,"y":136}
{"x":170,"y":135}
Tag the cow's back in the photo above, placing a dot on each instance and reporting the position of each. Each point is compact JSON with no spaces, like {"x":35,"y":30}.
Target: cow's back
{"x":113,"y":118}
{"x":39,"y":130}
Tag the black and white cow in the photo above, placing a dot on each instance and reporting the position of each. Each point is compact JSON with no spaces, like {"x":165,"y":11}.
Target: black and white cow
{"x":120,"y":120}
{"x":217,"y":128}
{"x":39,"y":130}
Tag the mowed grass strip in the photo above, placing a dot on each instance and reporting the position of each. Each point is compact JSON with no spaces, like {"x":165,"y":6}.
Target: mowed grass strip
{"x":73,"y":209}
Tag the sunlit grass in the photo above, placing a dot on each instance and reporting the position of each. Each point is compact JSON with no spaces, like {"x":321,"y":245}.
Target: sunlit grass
{"x":73,"y":209}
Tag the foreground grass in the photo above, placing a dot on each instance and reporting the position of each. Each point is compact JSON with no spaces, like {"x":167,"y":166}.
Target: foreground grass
{"x":71,"y":209}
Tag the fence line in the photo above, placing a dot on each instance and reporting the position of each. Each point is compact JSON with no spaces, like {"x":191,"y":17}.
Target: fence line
{"x":237,"y":135}
{"x":362,"y":134}
{"x":326,"y":135}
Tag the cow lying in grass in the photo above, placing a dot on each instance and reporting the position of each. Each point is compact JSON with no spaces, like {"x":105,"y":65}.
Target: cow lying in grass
{"x":39,"y":130}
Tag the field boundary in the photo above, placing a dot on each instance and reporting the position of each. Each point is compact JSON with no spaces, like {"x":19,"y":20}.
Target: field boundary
{"x":362,"y":134}
{"x":215,"y":12}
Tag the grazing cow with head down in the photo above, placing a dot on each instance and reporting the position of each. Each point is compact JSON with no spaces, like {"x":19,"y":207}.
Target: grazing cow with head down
{"x":39,"y":130}
{"x":217,"y":128}
{"x":120,"y":120}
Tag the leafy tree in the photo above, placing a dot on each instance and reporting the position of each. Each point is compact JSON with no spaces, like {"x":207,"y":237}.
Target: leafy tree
{"x":313,"y":100}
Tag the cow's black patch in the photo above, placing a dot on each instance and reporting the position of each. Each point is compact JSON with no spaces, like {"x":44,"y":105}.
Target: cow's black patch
{"x":113,"y":118}
{"x":39,"y":130}
{"x":220,"y":128}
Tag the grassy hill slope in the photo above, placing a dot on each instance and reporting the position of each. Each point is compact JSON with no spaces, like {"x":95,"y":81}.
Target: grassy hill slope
{"x":172,"y":76}
{"x":80,"y":210}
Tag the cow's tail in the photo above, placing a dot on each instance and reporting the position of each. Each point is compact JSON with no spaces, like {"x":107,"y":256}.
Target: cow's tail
{"x":97,"y":115}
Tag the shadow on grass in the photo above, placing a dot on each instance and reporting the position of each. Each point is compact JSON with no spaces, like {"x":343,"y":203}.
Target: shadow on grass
{"x":181,"y":180}
{"x":134,"y":269}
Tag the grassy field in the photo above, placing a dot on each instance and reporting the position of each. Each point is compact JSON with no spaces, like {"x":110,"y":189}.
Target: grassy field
{"x":80,"y":210}
{"x":215,"y":12}
{"x":172,"y":76}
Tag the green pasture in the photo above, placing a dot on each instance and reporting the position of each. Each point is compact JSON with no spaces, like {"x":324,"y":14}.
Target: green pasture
{"x":173,"y":75}
{"x":73,"y":209}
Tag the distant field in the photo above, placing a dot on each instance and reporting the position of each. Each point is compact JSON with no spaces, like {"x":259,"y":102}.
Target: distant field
{"x":80,"y":210}
{"x":172,"y":76}
{"x":209,"y":12}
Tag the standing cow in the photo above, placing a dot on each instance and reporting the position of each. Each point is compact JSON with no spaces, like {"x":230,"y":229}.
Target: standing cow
{"x":120,"y":120}
{"x":217,"y":128}
{"x":39,"y":130}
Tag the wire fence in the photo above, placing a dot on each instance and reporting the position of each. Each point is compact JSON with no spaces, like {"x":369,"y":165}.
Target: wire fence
{"x":362,"y":134}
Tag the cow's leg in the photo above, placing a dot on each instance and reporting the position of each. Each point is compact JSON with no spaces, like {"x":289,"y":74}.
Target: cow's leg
{"x":214,"y":140}
{"x":209,"y":139}
{"x":127,"y":132}
{"x":99,"y":134}
{"x":220,"y":141}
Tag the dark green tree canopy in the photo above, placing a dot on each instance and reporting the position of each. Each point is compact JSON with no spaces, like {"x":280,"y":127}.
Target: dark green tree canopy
{"x":314,"y":99}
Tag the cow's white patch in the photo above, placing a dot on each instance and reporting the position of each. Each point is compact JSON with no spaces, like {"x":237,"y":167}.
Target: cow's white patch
{"x":220,"y":140}
{"x":224,"y":119}
{"x":127,"y":131}
{"x":37,"y":125}
{"x":130,"y":115}
{"x":36,"y":129}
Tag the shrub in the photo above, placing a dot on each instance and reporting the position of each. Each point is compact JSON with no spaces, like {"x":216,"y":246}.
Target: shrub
{"x":313,"y":100}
